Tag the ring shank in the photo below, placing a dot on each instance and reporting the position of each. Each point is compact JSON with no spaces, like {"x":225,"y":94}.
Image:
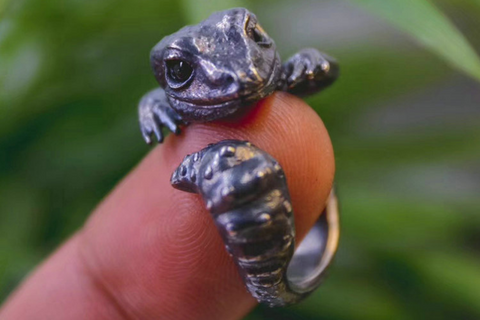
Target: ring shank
{"x":315,"y":253}
{"x":246,"y":192}
{"x":304,"y":269}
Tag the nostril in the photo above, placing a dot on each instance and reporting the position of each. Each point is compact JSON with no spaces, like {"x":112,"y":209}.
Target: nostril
{"x":231,"y":83}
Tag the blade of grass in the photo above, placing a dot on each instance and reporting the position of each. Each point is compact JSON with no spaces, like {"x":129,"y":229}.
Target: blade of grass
{"x":431,"y":29}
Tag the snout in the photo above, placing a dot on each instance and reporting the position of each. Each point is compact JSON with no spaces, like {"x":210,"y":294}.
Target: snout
{"x":180,"y":180}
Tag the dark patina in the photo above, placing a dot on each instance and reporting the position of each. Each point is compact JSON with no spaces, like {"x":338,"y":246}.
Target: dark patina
{"x":220,"y":67}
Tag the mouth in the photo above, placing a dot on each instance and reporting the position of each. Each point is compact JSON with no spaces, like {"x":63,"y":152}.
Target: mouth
{"x":232,"y":103}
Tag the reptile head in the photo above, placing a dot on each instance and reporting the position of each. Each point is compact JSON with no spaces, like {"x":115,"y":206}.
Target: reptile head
{"x":185,"y":176}
{"x":216,"y":68}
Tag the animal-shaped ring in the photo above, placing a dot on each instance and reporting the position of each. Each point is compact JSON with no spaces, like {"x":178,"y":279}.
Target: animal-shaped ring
{"x":216,"y":69}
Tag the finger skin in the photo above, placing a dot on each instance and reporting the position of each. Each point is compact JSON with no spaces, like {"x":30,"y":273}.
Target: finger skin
{"x":152,"y":252}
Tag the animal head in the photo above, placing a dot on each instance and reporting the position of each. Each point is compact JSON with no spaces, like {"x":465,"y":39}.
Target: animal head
{"x":215,"y":68}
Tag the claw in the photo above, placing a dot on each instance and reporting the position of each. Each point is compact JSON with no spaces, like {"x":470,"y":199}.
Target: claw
{"x":157,"y":129}
{"x":167,"y":118}
{"x":296,"y":76}
{"x":312,"y":69}
{"x":177,"y":121}
{"x":173,"y":127}
{"x":156,"y":113}
{"x":146,"y":136}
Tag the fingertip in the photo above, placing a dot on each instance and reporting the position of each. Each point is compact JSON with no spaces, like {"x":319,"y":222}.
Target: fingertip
{"x":151,"y":251}
{"x":288,"y":129}
{"x":153,"y":243}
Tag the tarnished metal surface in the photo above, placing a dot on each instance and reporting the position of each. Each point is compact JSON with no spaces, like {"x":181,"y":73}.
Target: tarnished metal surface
{"x":222,"y":66}
{"x":217,"y":69}
{"x":246,"y":192}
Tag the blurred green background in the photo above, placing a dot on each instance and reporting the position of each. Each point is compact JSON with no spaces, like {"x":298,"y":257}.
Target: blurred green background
{"x":404,"y":119}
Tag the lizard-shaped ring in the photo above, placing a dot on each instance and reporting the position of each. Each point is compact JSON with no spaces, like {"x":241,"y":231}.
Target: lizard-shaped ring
{"x":217,"y":69}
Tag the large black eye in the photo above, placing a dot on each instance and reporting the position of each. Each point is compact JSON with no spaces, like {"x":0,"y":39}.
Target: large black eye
{"x":178,"y":71}
{"x":258,"y":35}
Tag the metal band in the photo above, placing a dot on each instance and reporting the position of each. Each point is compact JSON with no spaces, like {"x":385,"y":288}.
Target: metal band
{"x":283,"y":278}
{"x":246,"y":192}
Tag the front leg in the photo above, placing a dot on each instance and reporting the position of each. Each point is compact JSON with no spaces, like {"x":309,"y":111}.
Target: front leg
{"x":308,"y":71}
{"x":154,"y":113}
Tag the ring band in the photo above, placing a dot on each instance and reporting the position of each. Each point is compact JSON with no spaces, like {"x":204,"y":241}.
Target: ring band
{"x":285,"y":277}
{"x":246,"y":192}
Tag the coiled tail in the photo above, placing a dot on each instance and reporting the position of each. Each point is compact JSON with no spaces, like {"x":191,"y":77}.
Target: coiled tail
{"x":246,"y":192}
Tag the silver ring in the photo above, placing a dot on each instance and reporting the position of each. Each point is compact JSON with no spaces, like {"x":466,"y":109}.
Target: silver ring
{"x":246,"y":192}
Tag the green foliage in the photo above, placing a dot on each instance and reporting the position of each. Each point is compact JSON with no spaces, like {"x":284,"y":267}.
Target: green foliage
{"x":3,"y":5}
{"x":195,"y":11}
{"x":431,"y":28}
{"x":405,"y":129}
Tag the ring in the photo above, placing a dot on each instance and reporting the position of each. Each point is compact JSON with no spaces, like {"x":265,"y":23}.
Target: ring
{"x":245,"y":190}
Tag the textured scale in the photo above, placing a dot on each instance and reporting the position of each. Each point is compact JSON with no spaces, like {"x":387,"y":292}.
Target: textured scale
{"x":246,"y":192}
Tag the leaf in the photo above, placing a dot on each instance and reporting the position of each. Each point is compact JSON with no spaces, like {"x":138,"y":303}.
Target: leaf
{"x":196,"y":11}
{"x":431,"y":28}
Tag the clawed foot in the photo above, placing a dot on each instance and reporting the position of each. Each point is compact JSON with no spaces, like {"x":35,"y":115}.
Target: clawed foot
{"x":154,"y":114}
{"x":309,"y":70}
